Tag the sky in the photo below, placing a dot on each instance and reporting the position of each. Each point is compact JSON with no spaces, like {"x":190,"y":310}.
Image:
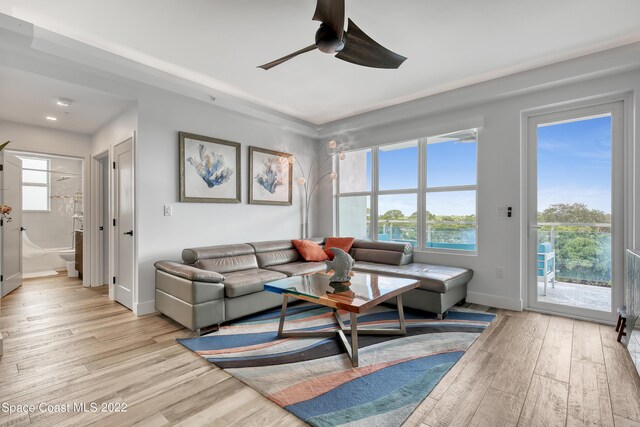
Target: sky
{"x":448,"y":163}
{"x":574,"y":163}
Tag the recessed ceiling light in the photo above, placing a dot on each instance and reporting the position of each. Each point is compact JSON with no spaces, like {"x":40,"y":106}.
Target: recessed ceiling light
{"x":64,"y":102}
{"x":53,"y":119}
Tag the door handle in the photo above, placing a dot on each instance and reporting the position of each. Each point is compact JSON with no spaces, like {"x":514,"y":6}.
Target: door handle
{"x":101,"y":228}
{"x":128,"y":233}
{"x":23,"y":229}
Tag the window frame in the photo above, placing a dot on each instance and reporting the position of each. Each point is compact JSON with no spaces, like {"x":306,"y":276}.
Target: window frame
{"x":420,"y":192}
{"x":46,"y":185}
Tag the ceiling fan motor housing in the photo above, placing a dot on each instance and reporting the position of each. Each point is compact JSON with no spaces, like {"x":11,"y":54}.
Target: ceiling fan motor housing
{"x":327,"y":40}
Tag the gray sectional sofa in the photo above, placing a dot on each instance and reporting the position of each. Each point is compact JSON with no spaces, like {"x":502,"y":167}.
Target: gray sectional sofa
{"x":216,"y":284}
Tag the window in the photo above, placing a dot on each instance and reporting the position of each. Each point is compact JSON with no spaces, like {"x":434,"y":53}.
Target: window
{"x":450,"y":198}
{"x":398,"y":192}
{"x":355,"y":189}
{"x":383,"y":190}
{"x":35,"y":185}
{"x":355,"y":216}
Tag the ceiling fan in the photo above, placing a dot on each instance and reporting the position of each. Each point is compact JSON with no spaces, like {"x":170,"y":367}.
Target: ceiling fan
{"x":352,"y":46}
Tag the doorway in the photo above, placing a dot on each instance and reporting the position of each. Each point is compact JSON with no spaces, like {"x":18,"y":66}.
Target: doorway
{"x":575,"y":211}
{"x":102,"y":219}
{"x":51,"y":213}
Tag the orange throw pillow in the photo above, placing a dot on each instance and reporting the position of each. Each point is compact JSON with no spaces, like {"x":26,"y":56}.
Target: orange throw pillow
{"x":309,"y":250}
{"x":343,"y":243}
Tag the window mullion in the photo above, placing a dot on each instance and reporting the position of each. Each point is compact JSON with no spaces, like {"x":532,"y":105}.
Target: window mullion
{"x":422,"y":184}
{"x":402,"y":191}
{"x":373,"y":231}
{"x":448,"y":189}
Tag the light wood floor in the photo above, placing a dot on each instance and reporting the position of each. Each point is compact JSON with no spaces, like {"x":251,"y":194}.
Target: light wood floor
{"x":64,"y":343}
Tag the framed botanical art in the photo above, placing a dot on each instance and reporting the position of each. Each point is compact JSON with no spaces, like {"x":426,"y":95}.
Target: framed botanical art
{"x":209,"y":169}
{"x":270,"y":177}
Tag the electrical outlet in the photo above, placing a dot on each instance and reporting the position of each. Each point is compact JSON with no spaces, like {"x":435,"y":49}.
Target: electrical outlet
{"x":167,"y":210}
{"x":501,"y":211}
{"x":500,"y":272}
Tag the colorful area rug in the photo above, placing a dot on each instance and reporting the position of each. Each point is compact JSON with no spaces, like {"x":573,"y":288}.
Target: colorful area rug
{"x":313,"y":378}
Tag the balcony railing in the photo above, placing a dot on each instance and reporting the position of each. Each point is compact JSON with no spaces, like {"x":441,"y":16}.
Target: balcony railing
{"x":456,"y":235}
{"x":583,"y":251}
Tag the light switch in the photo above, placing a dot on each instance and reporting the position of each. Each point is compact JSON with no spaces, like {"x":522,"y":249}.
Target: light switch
{"x":167,"y":210}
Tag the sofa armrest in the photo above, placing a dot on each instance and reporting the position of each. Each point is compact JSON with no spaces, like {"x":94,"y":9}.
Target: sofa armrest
{"x":189,"y":272}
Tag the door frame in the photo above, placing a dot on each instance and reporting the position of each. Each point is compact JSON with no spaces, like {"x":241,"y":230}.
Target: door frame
{"x":97,"y":197}
{"x":113,"y":238}
{"x":623,"y":195}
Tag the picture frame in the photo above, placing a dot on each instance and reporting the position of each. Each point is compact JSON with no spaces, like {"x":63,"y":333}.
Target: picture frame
{"x":270,"y":177}
{"x":210,"y":169}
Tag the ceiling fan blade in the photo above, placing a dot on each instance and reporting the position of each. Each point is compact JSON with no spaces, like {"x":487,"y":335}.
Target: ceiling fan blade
{"x":361,"y":49}
{"x":286,"y":58}
{"x":331,"y":13}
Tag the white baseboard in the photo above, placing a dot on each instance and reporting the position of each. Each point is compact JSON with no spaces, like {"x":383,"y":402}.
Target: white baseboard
{"x":495,"y":301}
{"x":144,"y":307}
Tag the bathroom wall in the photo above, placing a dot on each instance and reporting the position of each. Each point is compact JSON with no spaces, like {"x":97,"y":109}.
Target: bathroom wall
{"x":54,"y":229}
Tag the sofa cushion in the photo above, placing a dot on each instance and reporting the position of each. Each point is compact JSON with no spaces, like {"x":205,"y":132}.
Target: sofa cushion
{"x":299,"y":268}
{"x":405,"y":248}
{"x":190,"y":291}
{"x":228,"y":264}
{"x":395,"y":253}
{"x":189,"y":272}
{"x":381,"y":256}
{"x":191,"y":255}
{"x":275,"y":252}
{"x":309,"y":250}
{"x":248,"y":281}
{"x":434,"y":278}
{"x":343,"y":243}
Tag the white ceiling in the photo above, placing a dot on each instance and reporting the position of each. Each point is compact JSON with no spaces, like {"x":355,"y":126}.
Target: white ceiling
{"x":450,"y":44}
{"x":30,"y":98}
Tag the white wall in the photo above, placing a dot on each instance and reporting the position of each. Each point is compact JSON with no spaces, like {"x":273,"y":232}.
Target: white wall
{"x":161,"y":116}
{"x":39,"y":139}
{"x":499,"y":174}
{"x":157,"y":119}
{"x":54,"y":229}
{"x":116,"y":131}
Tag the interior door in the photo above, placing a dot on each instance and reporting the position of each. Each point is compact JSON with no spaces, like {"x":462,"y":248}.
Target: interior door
{"x":11,"y":195}
{"x":124,"y":222}
{"x":576,"y":188}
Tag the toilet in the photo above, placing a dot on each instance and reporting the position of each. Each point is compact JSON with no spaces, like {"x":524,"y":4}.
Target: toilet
{"x":69,"y":256}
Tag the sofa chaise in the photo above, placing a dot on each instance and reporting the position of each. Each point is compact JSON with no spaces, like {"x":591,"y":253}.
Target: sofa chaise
{"x":216,"y":284}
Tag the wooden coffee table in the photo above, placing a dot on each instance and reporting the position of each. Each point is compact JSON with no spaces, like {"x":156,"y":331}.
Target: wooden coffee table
{"x":364,"y":291}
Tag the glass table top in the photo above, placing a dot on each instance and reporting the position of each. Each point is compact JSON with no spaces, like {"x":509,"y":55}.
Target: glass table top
{"x":364,"y":291}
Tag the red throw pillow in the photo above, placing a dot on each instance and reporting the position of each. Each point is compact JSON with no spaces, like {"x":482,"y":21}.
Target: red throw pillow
{"x":343,"y":243}
{"x":309,"y":250}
